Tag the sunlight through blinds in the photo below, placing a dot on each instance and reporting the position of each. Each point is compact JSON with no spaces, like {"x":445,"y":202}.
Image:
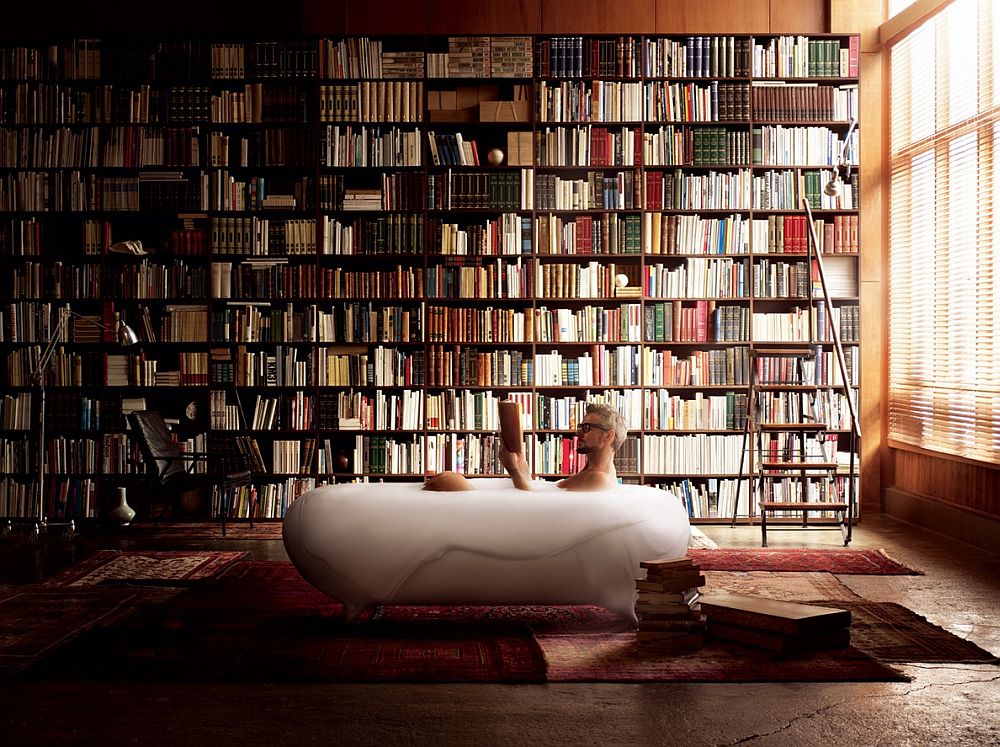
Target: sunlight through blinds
{"x":944,"y":314}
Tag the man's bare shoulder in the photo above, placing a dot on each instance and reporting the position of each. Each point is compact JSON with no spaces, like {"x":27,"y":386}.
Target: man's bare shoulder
{"x":585,"y":481}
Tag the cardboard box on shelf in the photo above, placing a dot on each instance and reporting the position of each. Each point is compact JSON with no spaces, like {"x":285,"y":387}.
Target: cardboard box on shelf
{"x":504,"y":111}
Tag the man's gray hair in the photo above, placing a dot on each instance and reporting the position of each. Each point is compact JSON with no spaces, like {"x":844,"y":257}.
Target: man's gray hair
{"x":612,"y":419}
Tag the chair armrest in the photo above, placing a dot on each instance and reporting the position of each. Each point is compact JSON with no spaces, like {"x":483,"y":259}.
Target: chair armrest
{"x":189,"y":458}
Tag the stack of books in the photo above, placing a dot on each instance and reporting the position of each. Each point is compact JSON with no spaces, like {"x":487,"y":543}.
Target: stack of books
{"x":785,"y":627}
{"x":666,"y":602}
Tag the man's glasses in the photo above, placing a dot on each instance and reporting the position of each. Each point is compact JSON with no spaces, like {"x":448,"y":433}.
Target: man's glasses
{"x":587,"y":427}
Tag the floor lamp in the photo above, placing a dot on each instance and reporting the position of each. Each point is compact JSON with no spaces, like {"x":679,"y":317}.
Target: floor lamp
{"x":124,"y":336}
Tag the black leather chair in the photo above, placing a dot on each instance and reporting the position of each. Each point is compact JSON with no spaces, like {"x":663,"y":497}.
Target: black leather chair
{"x":172,"y":471}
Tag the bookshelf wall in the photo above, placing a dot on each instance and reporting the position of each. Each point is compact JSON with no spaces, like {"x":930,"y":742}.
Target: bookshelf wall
{"x":357,"y":246}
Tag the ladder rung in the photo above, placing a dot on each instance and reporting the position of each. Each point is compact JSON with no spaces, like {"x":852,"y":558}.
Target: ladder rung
{"x":798,"y":465}
{"x":802,"y":506}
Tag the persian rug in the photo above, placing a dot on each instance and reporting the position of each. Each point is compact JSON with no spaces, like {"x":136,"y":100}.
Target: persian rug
{"x":147,"y":567}
{"x":261,"y":622}
{"x":839,"y":561}
{"x":617,"y":657}
{"x":891,"y":632}
{"x":104,"y":590}
{"x":885,"y":630}
{"x":791,"y":586}
{"x":34,"y":622}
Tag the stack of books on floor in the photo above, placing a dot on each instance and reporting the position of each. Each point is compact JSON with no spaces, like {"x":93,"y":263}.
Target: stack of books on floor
{"x":785,"y":627}
{"x":666,"y":603}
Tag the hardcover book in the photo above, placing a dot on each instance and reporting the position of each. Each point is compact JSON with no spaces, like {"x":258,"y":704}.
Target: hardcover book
{"x":510,"y":426}
{"x":787,"y":618}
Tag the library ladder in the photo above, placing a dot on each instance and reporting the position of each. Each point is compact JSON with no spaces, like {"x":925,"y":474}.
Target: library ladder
{"x":793,"y":465}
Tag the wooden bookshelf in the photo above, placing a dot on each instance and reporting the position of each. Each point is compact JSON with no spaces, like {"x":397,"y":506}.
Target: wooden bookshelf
{"x":358,"y":245}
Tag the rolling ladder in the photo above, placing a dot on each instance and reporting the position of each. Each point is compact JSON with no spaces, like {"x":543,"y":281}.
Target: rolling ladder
{"x":793,"y":465}
{"x":791,"y":462}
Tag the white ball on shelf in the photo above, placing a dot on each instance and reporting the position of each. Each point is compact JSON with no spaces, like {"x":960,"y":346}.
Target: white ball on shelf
{"x":621,"y":280}
{"x":495,"y":156}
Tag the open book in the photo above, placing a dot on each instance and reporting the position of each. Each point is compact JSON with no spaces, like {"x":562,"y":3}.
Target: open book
{"x":510,"y":426}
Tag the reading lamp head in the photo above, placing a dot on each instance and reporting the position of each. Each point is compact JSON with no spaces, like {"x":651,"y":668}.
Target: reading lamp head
{"x":125,"y":334}
{"x":840,"y":177}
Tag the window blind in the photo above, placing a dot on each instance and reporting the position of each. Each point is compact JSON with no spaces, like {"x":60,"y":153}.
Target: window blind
{"x":944,"y":326}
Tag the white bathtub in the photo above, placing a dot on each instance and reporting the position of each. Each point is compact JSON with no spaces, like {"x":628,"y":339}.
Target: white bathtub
{"x":395,"y":543}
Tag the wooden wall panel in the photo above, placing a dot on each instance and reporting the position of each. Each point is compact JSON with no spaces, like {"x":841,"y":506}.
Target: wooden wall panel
{"x":874,"y":341}
{"x":323,"y":18}
{"x":857,"y":17}
{"x":799,"y":17}
{"x":484,"y":17}
{"x":387,"y":17}
{"x":598,"y":16}
{"x":956,"y":483}
{"x":870,"y":405}
{"x":711,"y":16}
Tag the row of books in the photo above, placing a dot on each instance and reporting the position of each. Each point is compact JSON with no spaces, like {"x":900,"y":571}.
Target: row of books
{"x":394,"y":233}
{"x":700,"y":277}
{"x":372,"y":101}
{"x":404,"y":233}
{"x":805,"y":57}
{"x":467,"y":56}
{"x":588,"y":146}
{"x":704,"y":146}
{"x":350,"y":147}
{"x":774,"y":189}
{"x":722,"y":412}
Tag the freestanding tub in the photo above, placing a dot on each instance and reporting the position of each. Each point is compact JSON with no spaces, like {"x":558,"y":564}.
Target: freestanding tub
{"x":368,"y":544}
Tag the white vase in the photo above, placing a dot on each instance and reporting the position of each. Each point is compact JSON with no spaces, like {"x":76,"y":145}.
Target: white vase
{"x":122,"y":514}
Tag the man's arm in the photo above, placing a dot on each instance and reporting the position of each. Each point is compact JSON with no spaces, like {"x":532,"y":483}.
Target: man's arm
{"x":517,"y":467}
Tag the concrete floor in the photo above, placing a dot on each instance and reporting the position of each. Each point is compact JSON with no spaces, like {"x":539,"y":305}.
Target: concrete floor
{"x":945,"y":704}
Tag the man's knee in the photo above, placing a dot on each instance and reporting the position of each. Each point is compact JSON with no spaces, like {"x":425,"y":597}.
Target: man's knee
{"x":447,"y":481}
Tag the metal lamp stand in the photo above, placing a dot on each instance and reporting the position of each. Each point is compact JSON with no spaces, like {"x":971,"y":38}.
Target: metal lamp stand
{"x":39,"y":524}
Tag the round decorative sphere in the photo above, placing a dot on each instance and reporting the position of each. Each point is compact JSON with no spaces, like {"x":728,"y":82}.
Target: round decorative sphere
{"x":621,"y":280}
{"x":495,"y":156}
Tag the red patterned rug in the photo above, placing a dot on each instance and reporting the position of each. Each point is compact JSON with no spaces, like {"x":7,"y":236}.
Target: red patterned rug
{"x":152,"y":567}
{"x":34,"y":622}
{"x":261,"y":622}
{"x":839,"y":561}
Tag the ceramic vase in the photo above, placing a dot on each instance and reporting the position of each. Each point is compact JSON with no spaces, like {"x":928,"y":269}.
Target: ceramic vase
{"x":122,"y":514}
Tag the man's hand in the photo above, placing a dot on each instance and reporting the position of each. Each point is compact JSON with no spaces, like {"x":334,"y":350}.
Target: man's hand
{"x":516,"y":466}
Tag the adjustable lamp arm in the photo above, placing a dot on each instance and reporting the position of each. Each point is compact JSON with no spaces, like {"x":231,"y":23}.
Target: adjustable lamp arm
{"x":842,"y":158}
{"x":124,"y":335}
{"x":842,"y":169}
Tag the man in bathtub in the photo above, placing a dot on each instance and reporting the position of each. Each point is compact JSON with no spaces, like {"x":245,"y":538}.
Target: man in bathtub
{"x":601,"y":432}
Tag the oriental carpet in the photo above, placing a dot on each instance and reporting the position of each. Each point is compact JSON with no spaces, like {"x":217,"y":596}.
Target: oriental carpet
{"x":260,"y":622}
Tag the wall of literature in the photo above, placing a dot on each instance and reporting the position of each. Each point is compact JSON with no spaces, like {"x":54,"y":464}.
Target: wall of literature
{"x":341,"y":253}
